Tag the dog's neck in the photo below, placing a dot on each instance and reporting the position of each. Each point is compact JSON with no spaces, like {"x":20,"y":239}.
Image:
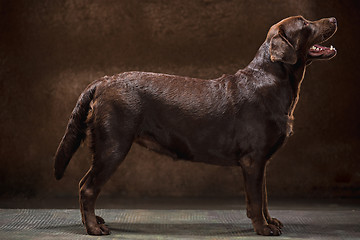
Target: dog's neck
{"x":284,"y":74}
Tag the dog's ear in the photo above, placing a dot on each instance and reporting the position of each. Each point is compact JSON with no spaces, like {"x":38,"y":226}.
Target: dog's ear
{"x":281,"y":50}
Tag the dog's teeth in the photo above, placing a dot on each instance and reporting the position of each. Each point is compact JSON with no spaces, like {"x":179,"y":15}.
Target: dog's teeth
{"x":332,"y":48}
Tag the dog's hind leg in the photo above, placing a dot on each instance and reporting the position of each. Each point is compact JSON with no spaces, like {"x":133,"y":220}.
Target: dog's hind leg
{"x":99,"y":219}
{"x":111,"y":144}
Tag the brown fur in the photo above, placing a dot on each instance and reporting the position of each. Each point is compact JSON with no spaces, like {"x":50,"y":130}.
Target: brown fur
{"x":239,"y":119}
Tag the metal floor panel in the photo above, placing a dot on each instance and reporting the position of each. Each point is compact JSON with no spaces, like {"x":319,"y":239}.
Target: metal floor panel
{"x":176,"y":224}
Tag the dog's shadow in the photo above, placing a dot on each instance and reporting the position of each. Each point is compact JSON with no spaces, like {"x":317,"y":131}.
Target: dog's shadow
{"x":210,"y":229}
{"x":195,"y":229}
{"x":176,"y":229}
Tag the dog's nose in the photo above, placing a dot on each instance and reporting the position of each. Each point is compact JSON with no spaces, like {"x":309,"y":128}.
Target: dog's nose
{"x":333,"y":20}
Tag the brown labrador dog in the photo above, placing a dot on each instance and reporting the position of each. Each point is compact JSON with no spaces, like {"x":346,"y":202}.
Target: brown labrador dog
{"x":239,"y":119}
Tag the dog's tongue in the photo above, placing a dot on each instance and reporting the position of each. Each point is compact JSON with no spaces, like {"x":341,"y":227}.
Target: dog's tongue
{"x":318,"y":50}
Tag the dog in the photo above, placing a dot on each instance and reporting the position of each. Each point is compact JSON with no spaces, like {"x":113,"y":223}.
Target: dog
{"x":234,"y":120}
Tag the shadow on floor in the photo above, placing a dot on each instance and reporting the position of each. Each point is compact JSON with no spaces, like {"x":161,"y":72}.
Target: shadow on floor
{"x":215,"y":229}
{"x":209,"y":229}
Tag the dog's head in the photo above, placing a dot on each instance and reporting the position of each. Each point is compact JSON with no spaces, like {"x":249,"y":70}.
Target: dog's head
{"x":297,"y":39}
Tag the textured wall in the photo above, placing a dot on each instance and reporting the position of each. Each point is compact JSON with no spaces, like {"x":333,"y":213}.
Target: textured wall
{"x":50,"y":50}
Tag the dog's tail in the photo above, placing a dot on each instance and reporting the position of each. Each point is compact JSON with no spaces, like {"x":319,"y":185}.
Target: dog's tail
{"x":75,"y":131}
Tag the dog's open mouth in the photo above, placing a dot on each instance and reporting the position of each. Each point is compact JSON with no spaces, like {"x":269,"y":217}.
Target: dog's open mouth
{"x":321,"y":52}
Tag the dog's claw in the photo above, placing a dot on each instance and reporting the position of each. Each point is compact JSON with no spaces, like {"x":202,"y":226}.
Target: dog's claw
{"x":99,"y":229}
{"x":268,"y":230}
{"x":276,"y":222}
{"x":104,"y":229}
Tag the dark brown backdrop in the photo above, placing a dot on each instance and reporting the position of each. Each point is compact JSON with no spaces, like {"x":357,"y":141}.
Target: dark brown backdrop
{"x":50,"y":50}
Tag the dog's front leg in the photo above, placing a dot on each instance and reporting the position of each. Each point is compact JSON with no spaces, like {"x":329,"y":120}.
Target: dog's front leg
{"x":253,"y":172}
{"x":269,"y":219}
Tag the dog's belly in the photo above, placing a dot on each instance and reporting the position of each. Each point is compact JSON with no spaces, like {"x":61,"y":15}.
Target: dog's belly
{"x":182,"y":149}
{"x":175,"y":153}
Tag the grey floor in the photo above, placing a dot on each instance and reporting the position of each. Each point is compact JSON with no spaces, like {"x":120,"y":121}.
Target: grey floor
{"x":178,"y":219}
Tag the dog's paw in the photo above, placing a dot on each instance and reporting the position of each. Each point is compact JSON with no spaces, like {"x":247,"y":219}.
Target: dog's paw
{"x":98,"y":229}
{"x":268,"y":230}
{"x":275,"y":222}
